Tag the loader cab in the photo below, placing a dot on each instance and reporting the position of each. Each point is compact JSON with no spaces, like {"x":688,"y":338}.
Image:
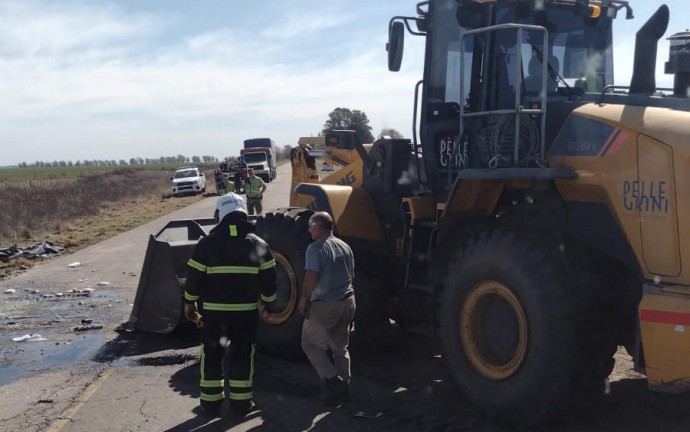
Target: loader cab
{"x":494,"y":72}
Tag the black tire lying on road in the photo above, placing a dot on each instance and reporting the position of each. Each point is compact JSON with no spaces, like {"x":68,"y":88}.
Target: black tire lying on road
{"x":513,"y":328}
{"x":286,"y":233}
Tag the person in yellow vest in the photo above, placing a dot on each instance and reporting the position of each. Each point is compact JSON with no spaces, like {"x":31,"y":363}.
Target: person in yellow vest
{"x":254,"y":188}
{"x":227,"y":186}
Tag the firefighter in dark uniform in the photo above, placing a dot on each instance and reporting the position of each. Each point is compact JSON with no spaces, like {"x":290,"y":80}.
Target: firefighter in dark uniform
{"x":230,"y":270}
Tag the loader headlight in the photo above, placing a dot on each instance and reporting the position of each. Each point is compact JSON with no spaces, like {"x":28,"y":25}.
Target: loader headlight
{"x":594,"y":11}
{"x":584,"y":8}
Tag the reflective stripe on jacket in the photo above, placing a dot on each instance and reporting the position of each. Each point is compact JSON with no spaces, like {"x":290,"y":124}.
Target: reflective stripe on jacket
{"x":231,"y":269}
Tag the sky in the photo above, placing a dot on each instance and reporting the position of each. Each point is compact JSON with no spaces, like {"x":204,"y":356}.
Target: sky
{"x":112,"y":80}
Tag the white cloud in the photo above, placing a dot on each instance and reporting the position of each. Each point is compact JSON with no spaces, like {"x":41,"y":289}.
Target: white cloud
{"x":96,"y":80}
{"x":51,"y":28}
{"x":295,"y":25}
{"x":96,"y":92}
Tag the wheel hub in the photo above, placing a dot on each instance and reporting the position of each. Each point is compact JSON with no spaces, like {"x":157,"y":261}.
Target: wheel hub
{"x":286,"y":291}
{"x":493,"y":330}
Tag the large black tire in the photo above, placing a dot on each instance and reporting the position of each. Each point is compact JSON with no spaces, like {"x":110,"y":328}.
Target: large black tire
{"x":286,"y":233}
{"x":514,"y":329}
{"x":372,"y":330}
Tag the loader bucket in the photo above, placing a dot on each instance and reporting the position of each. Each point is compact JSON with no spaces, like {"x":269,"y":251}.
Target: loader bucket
{"x":158,"y":305}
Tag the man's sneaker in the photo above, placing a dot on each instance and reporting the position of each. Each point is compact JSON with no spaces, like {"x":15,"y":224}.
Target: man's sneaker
{"x":344,"y":394}
{"x":240,"y":409}
{"x":337,"y":391}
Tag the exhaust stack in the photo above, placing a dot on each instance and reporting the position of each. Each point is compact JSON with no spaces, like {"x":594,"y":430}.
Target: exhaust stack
{"x":643,"y":79}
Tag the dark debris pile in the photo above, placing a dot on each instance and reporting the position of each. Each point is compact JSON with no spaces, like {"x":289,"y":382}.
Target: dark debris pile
{"x":38,"y":250}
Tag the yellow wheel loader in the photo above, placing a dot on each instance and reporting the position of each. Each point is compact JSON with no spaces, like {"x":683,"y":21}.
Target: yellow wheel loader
{"x":536,"y":220}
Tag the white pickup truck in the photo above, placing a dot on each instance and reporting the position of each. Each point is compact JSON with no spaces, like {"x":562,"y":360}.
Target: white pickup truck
{"x":188,"y":180}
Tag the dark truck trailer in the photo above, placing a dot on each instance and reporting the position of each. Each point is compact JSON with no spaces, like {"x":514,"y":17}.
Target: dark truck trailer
{"x":258,"y":142}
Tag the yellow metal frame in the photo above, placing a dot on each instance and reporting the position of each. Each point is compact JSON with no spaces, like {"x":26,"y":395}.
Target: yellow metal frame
{"x":665,"y":329}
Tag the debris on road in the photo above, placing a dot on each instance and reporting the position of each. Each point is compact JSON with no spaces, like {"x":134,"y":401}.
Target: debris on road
{"x":34,"y":337}
{"x":37,"y":250}
{"x":80,"y":292}
{"x":87,"y":327}
{"x":74,"y":264}
{"x":362,"y":414}
{"x":103,"y":284}
{"x":10,"y":291}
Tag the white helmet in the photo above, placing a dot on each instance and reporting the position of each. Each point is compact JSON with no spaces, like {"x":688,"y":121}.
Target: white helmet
{"x":228,"y":203}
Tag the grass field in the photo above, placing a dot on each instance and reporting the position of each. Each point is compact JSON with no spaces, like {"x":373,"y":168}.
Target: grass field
{"x":75,"y":214}
{"x":26,"y":174}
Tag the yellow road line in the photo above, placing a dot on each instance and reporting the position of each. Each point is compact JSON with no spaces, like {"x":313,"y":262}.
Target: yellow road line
{"x":66,"y":417}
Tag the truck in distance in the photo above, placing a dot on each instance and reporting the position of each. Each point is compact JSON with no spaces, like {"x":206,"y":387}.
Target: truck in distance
{"x":259,"y":154}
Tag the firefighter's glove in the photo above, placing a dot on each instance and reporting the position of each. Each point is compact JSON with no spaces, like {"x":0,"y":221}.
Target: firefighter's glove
{"x":192,"y":314}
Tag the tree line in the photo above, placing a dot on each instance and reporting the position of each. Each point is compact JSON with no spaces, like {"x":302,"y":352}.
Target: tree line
{"x":339,"y":118}
{"x":135,"y":161}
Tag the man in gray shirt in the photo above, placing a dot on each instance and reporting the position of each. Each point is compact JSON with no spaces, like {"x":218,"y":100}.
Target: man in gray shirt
{"x":328,"y":306}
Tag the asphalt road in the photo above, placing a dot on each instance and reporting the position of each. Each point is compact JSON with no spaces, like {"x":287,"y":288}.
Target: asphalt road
{"x":61,"y":304}
{"x":107,"y":379}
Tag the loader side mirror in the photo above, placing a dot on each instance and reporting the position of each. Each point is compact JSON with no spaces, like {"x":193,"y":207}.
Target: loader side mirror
{"x":396,"y":42}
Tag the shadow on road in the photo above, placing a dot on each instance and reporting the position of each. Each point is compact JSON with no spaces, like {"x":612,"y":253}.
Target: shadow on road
{"x":203,"y":423}
{"x":403,"y":386}
{"x":186,"y":381}
{"x":630,"y":406}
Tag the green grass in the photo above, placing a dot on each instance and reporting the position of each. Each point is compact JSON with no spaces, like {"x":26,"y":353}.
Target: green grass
{"x":25,"y":174}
